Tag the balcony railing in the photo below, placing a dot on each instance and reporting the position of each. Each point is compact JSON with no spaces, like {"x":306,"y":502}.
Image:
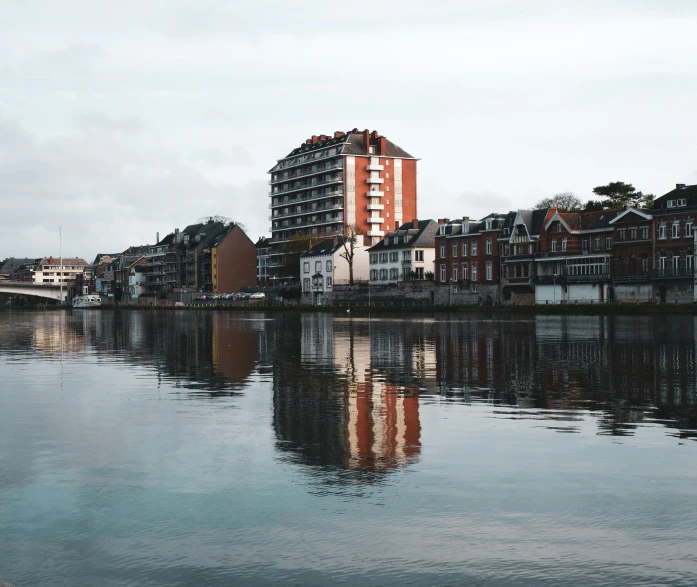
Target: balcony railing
{"x":338,"y":178}
{"x":562,"y":279}
{"x":670,"y":273}
{"x":300,"y":199}
{"x":631,"y":277}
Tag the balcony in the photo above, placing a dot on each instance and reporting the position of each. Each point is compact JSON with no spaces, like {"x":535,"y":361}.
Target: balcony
{"x":670,"y":273}
{"x":371,"y":207}
{"x":406,"y":262}
{"x":374,"y":194}
{"x":631,"y":277}
{"x":374,"y":167}
{"x":373,"y":180}
{"x":375,"y":220}
{"x":565,"y":279}
{"x":298,"y":199}
{"x":380,"y":233}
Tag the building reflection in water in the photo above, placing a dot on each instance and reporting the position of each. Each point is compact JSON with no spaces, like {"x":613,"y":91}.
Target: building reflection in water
{"x":334,"y":407}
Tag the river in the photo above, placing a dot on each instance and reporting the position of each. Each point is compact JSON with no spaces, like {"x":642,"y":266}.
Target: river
{"x":203,"y":448}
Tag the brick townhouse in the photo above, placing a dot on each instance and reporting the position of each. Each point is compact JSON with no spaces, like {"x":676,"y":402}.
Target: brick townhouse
{"x":467,"y":255}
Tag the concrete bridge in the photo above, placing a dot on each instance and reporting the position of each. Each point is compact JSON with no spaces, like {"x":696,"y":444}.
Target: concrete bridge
{"x":51,"y":291}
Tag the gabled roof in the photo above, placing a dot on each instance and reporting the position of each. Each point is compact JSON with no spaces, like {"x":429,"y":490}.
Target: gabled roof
{"x":628,"y":211}
{"x":327,"y":246}
{"x":423,"y":236}
{"x":584,"y":221}
{"x":681,"y":191}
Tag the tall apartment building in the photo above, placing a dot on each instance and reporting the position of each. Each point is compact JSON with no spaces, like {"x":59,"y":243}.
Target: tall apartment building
{"x":331,"y":182}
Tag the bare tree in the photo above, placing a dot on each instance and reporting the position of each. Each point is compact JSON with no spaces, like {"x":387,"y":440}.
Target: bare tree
{"x":563,"y":202}
{"x":350,"y":238}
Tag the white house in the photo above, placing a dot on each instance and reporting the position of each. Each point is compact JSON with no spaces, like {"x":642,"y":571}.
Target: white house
{"x":136,"y":281}
{"x":322,"y":267}
{"x":407,"y":253}
{"x":58,"y":270}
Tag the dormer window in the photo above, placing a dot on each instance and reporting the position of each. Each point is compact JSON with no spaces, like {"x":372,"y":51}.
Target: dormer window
{"x":442,"y":229}
{"x":682,"y":202}
{"x":558,"y":226}
{"x":671,"y":203}
{"x":488,"y":224}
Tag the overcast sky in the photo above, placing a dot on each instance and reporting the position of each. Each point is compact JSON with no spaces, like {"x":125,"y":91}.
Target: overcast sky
{"x":120,"y":120}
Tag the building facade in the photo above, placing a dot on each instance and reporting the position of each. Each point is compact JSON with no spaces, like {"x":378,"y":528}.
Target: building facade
{"x":57,"y":270}
{"x":329,"y":183}
{"x":233,"y":261}
{"x":405,"y":254}
{"x":325,"y":265}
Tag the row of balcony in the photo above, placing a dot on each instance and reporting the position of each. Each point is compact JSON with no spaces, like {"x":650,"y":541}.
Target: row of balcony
{"x":302,"y":172}
{"x":314,"y":183}
{"x":313,"y":210}
{"x":287,"y":201}
{"x":335,"y":220}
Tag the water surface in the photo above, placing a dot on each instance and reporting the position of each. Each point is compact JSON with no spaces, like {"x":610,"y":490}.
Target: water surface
{"x":202,"y":448}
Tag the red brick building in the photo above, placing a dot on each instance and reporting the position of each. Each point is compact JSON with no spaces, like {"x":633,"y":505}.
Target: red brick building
{"x":467,"y":254}
{"x":233,"y":261}
{"x":331,"y":182}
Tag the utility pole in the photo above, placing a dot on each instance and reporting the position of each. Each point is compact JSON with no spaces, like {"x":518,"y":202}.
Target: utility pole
{"x":60,"y":253}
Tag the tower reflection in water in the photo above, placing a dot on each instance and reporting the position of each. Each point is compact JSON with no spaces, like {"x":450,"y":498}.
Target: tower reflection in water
{"x":335,"y":409}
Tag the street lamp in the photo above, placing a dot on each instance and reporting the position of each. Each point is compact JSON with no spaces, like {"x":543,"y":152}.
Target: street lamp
{"x":554,"y":281}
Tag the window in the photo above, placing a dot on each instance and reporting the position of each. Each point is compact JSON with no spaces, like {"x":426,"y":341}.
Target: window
{"x":442,"y":273}
{"x":622,"y":234}
{"x":662,"y":231}
{"x":585,"y":245}
{"x":489,"y":246}
{"x":373,"y":259}
{"x":632,"y":234}
{"x":464,"y":271}
{"x":306,"y":267}
{"x":489,"y":270}
{"x":455,"y":272}
{"x":383,"y":274}
{"x":383,"y":258}
{"x":554,"y":245}
{"x":419,"y":273}
{"x":608,"y":242}
{"x":675,"y":230}
{"x":474,"y":272}
{"x":558,"y":226}
{"x":329,"y":282}
{"x":645,"y":234}
{"x":488,"y":224}
{"x":318,"y":266}
{"x":563,"y":243}
{"x":306,"y":284}
{"x":645,"y":264}
{"x":419,"y":256}
{"x":394,"y":273}
{"x":442,"y":250}
{"x":464,"y":248}
{"x":474,"y":289}
{"x":676,"y":263}
{"x":329,"y":266}
{"x":662,"y":264}
{"x":682,"y":202}
{"x":596,"y":243}
{"x":394,"y":257}
{"x":373,"y":274}
{"x":688,"y":229}
{"x":671,"y":203}
{"x":474,"y":249}
{"x":455,"y":249}
{"x":441,"y":229}
{"x":689,"y":263}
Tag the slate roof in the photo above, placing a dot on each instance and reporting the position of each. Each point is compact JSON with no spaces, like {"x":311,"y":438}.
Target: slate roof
{"x":327,"y":246}
{"x":424,"y":236}
{"x":11,"y":265}
{"x":689,"y":192}
{"x":475,"y":227}
{"x":351,"y":143}
{"x":589,"y":220}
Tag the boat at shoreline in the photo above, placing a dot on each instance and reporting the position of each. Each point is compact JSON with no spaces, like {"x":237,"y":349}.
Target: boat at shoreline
{"x":88,"y":301}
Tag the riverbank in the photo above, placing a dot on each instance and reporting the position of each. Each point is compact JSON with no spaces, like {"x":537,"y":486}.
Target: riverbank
{"x":362,"y":309}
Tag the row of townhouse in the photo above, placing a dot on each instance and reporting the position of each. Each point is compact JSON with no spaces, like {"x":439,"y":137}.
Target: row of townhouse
{"x":204,"y":257}
{"x":546,"y":256}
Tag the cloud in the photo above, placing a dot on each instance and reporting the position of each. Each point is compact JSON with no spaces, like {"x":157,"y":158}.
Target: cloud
{"x":225,"y":156}
{"x":106,"y":191}
{"x":100,"y":121}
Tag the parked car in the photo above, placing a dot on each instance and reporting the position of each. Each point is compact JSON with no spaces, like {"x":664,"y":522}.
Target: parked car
{"x":259,"y":295}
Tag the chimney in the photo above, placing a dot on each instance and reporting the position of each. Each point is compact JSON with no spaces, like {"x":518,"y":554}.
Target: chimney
{"x":443,"y":220}
{"x":415,"y":223}
{"x":374,"y":135}
{"x":494,"y":214}
{"x":323,"y":137}
{"x":157,"y":238}
{"x":366,"y":140}
{"x":679,"y":186}
{"x":338,"y":133}
{"x":383,"y":145}
{"x":315,"y":139}
{"x":308,"y":141}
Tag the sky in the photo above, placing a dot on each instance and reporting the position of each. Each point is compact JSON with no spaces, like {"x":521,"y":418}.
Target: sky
{"x":119,"y":121}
